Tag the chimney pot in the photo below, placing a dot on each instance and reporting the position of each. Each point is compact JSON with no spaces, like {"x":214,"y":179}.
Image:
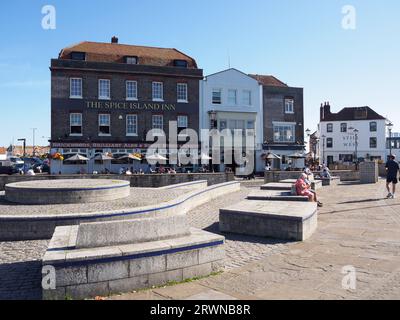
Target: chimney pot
{"x":114,"y":39}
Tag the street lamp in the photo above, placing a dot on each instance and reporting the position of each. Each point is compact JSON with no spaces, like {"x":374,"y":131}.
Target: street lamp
{"x":390,"y":127}
{"x":308,"y":133}
{"x":24,"y":150}
{"x":356,"y":137}
{"x":323,"y":148}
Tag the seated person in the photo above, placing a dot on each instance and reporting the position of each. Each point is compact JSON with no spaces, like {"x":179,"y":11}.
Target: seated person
{"x":325,"y":173}
{"x":304,"y":189}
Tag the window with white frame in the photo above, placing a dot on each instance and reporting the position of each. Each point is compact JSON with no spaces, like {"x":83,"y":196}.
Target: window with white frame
{"x":158,"y":91}
{"x":104,"y":89}
{"x":131,"y":90}
{"x":104,"y":124}
{"x":247,"y":97}
{"x":182,"y":92}
{"x":182,"y":121}
{"x":158,"y":122}
{"x":284,"y":132}
{"x":289,"y":106}
{"x":217,"y":96}
{"x":75,"y":88}
{"x":75,"y":123}
{"x":131,"y":125}
{"x":232,"y":97}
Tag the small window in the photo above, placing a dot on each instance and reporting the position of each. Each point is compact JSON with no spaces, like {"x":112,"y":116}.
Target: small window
{"x":343,"y":127}
{"x":104,"y":124}
{"x":182,"y":94}
{"x":104,"y":89}
{"x":329,"y":127}
{"x":247,"y":97}
{"x":75,"y":88}
{"x":182,"y":121}
{"x":289,"y":106}
{"x":131,"y":90}
{"x":217,"y":96}
{"x":78,"y":56}
{"x":232,"y":97}
{"x":158,"y":122}
{"x":75,"y":120}
{"x":181,"y":63}
{"x":131,"y":125}
{"x":373,"y":143}
{"x":131,"y":60}
{"x":373,"y":126}
{"x":157,"y":91}
{"x":329,"y":142}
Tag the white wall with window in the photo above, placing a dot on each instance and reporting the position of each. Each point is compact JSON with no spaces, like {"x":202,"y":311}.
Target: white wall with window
{"x":104,"y":89}
{"x":75,"y":88}
{"x":338,"y":140}
{"x":158,"y":91}
{"x":235,"y":99}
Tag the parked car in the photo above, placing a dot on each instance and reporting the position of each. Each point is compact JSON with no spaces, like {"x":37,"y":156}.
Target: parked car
{"x":6,"y":170}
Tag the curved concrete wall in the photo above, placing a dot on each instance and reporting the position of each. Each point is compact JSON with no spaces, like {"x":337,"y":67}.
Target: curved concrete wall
{"x":29,"y":227}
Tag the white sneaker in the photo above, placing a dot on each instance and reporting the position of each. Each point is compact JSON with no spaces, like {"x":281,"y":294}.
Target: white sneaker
{"x":389,"y":195}
{"x":393,"y":196}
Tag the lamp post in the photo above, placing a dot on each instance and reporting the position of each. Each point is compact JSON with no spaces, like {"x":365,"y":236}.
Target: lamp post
{"x":390,"y":127}
{"x":356,"y":140}
{"x":33,"y":141}
{"x":24,"y":149}
{"x":308,"y":132}
{"x":323,"y":148}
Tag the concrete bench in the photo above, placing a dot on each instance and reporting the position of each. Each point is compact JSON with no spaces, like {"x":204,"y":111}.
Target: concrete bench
{"x":315,"y":184}
{"x":333,"y":181}
{"x":276,"y":186}
{"x":286,"y":220}
{"x":268,"y":195}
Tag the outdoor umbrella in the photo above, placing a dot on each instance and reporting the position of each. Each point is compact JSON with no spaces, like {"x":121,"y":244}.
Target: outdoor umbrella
{"x":297,"y":155}
{"x":271,"y":156}
{"x":130,"y":156}
{"x":103,"y":157}
{"x":77,"y":157}
{"x":156,"y":157}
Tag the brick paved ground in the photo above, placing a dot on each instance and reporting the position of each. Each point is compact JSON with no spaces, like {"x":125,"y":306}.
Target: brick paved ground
{"x":357,"y":227}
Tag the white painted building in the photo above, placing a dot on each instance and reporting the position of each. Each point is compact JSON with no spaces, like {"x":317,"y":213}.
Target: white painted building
{"x":231,"y":99}
{"x":350,"y":134}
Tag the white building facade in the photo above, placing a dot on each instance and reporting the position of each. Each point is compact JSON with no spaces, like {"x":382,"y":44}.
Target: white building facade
{"x":231,"y":99}
{"x":351,"y":134}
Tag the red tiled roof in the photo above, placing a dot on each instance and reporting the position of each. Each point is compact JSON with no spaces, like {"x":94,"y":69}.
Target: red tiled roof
{"x":3,"y":150}
{"x":349,"y":114}
{"x":270,"y":81}
{"x":114,"y":52}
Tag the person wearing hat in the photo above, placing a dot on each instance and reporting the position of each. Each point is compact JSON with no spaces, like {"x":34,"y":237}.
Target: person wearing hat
{"x":392,"y":169}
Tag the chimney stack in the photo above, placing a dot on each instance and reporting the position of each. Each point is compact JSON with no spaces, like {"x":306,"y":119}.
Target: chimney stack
{"x":114,"y":39}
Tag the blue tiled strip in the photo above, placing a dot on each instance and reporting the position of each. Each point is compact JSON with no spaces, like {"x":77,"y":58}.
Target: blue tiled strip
{"x":135,"y":256}
{"x":125,"y":213}
{"x":74,"y":189}
{"x":177,"y":186}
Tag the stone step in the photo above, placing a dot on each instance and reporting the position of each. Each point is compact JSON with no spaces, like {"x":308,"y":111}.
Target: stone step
{"x":286,"y":220}
{"x":270,"y":195}
{"x":276,"y":186}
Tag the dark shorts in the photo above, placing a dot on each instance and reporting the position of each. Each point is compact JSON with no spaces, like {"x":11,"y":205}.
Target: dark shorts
{"x":392,"y":179}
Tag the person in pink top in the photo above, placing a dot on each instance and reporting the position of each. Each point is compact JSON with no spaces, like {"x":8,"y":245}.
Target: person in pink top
{"x":303,"y":189}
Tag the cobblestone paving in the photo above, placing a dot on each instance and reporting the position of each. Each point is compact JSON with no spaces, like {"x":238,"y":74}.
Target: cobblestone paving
{"x":139,"y":197}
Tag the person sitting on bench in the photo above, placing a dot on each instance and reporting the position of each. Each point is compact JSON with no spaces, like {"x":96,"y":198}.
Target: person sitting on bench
{"x":304,"y":189}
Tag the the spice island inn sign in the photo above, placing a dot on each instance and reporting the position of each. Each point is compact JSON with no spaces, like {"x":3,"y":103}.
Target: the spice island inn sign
{"x":130,"y":105}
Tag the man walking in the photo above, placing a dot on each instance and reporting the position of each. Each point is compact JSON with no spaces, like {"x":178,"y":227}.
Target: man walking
{"x":392,"y":168}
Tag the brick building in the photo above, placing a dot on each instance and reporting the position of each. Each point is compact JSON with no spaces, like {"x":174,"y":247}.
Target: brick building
{"x":105,"y":97}
{"x":283,"y":120}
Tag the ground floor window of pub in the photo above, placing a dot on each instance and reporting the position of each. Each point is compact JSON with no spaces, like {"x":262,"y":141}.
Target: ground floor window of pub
{"x":104,"y":124}
{"x":182,"y":95}
{"x":131,"y":90}
{"x":329,"y":142}
{"x":373,"y":143}
{"x":75,"y":123}
{"x":157,"y":91}
{"x":346,"y":157}
{"x":104,"y":89}
{"x":284,"y":133}
{"x":131,"y":125}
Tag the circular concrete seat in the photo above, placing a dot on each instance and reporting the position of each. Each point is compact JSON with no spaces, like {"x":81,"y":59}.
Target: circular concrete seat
{"x":66,"y":191}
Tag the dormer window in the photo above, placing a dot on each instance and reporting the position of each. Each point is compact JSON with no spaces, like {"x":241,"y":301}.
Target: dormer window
{"x":78,"y":56}
{"x":180,"y":63}
{"x":131,"y":60}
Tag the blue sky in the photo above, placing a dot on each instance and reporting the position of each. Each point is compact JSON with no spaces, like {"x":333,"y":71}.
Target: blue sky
{"x":301,"y":42}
